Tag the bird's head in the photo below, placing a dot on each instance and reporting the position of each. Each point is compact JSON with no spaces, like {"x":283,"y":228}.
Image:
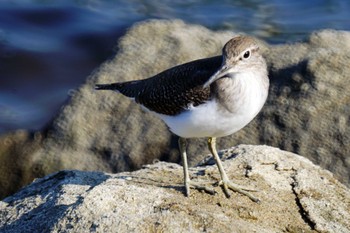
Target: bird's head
{"x":239,"y":54}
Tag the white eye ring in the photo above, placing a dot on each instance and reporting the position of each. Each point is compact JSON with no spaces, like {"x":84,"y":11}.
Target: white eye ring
{"x":246,"y":55}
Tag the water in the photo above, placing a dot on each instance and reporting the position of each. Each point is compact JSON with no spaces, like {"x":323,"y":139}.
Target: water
{"x":48,"y":48}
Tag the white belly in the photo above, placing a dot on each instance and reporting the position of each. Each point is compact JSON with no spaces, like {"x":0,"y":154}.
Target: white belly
{"x":210,"y":120}
{"x":206,"y":121}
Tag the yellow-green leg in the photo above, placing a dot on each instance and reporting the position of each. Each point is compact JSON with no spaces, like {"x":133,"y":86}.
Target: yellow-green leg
{"x":225,"y":182}
{"x":182,"y":146}
{"x":187,"y":182}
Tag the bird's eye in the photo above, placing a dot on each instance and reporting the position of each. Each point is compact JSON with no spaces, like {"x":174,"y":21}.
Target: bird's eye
{"x":246,"y":55}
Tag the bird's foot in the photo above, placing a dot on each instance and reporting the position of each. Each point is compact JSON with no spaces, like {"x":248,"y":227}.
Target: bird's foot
{"x":227,"y":184}
{"x":200,"y":187}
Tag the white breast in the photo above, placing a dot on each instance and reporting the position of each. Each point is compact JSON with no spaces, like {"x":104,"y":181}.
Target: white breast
{"x":211,"y":120}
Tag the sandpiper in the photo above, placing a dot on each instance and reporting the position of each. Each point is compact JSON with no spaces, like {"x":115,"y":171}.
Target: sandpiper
{"x":206,"y":98}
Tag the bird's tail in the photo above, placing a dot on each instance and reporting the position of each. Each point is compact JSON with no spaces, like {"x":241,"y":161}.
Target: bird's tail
{"x":111,"y":86}
{"x":130,"y":89}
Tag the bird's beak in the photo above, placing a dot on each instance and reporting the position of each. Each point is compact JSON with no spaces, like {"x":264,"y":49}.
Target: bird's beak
{"x":224,"y":71}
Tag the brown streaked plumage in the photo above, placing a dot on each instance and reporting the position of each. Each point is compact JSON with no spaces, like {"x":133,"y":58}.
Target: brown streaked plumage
{"x":171,"y":91}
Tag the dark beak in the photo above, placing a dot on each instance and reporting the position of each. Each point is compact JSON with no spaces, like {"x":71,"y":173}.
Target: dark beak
{"x":224,"y":71}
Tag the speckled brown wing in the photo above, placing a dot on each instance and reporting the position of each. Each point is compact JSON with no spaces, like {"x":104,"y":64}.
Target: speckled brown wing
{"x":171,"y":91}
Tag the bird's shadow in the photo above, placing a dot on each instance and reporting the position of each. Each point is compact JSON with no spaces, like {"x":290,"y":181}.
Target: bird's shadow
{"x":155,"y":182}
{"x":225,"y":154}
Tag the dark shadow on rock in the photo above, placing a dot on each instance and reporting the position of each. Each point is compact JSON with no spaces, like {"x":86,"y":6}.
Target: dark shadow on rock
{"x":16,"y":168}
{"x":172,"y":154}
{"x":287,"y":77}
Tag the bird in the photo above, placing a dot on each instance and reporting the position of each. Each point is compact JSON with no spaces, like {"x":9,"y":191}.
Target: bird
{"x":206,"y":98}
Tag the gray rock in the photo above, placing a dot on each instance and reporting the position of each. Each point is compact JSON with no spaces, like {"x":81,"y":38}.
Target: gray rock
{"x":296,"y":196}
{"x":307,"y":111}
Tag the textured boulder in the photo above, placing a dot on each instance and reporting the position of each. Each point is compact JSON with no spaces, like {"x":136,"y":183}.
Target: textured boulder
{"x":16,"y":168}
{"x":296,"y":196}
{"x":307,"y":111}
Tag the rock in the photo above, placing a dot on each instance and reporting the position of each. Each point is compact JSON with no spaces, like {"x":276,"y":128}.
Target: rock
{"x":307,"y":111}
{"x":16,"y":151}
{"x":296,"y":196}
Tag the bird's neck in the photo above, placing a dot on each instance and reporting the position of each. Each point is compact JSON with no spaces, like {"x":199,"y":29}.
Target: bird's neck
{"x":242,"y":89}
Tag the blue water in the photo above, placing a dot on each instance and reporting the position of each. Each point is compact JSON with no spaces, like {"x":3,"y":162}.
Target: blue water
{"x":48,"y":48}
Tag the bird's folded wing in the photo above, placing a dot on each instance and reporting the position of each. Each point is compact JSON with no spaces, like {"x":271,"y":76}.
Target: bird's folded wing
{"x":174,"y":90}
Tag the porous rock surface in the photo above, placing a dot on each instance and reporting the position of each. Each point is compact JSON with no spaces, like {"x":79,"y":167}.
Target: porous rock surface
{"x":296,"y":196}
{"x":307,"y":111}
